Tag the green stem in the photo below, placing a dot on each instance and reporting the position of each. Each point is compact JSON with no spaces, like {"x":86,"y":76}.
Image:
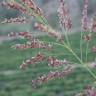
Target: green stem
{"x":87,"y":46}
{"x":67,"y":38}
{"x":75,"y":55}
{"x":81,"y":45}
{"x":81,"y":61}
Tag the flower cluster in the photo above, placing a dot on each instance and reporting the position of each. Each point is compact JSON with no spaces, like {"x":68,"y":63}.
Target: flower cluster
{"x":89,"y":91}
{"x":48,"y":30}
{"x":88,"y":37}
{"x":64,"y":18}
{"x":35,"y":43}
{"x":52,"y":75}
{"x":24,"y":6}
{"x":33,"y":6}
{"x":85,"y":17}
{"x":36,"y":59}
{"x":93,"y":23}
{"x":94,"y":49}
{"x":14,"y":5}
{"x":54,"y":62}
{"x":26,"y":35}
{"x":32,"y":41}
{"x":19,"y":20}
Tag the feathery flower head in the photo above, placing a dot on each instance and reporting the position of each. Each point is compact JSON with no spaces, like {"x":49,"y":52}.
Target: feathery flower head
{"x":89,"y":91}
{"x":25,"y":35}
{"x":84,"y":21}
{"x":52,"y":61}
{"x":33,"y":6}
{"x":34,"y":43}
{"x":51,"y":75}
{"x":93,"y":23}
{"x":33,"y":60}
{"x":87,"y":38}
{"x":25,"y":6}
{"x":64,"y":18}
{"x":48,"y":30}
{"x":94,"y":49}
{"x":18,"y":20}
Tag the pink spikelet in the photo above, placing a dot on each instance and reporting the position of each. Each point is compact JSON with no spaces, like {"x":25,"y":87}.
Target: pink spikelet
{"x":23,"y":9}
{"x":64,"y":18}
{"x":35,"y":43}
{"x":48,"y":30}
{"x":89,"y":91}
{"x":33,"y":6}
{"x":18,"y":20}
{"x":93,"y":23}
{"x":84,"y":22}
{"x":51,"y":76}
{"x":53,"y":62}
{"x":33,"y":60}
{"x":87,"y":38}
{"x":94,"y":49}
{"x":14,"y":5}
{"x":25,"y":35}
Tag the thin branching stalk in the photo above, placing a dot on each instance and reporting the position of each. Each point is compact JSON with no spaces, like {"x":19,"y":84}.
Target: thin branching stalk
{"x":75,"y":55}
{"x":87,"y":47}
{"x":67,"y":39}
{"x":81,"y":45}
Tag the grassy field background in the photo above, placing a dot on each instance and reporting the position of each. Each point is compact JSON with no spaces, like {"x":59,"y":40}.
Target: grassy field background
{"x":16,"y":82}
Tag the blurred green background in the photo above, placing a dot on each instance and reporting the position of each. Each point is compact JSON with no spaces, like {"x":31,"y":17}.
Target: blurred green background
{"x":16,"y":82}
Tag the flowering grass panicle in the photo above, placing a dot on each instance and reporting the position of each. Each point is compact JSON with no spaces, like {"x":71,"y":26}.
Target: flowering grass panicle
{"x":18,"y":20}
{"x":33,"y":6}
{"x":93,"y":23}
{"x":85,"y":16}
{"x":33,"y":60}
{"x":25,"y":35}
{"x":89,"y":91}
{"x":52,"y":75}
{"x":88,"y":37}
{"x":64,"y":18}
{"x":94,"y":49}
{"x":29,"y":8}
{"x":35,"y":43}
{"x":52,"y":61}
{"x":48,"y":30}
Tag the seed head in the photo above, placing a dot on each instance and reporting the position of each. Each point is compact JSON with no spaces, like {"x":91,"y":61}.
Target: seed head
{"x":85,"y":16}
{"x":18,"y":20}
{"x":48,"y":30}
{"x":94,"y":49}
{"x":64,"y":18}
{"x":87,"y":38}
{"x":93,"y":24}
{"x":33,"y":60}
{"x":51,"y":75}
{"x":53,"y":62}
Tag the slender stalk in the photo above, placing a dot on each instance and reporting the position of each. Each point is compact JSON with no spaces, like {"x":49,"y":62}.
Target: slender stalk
{"x":81,"y":61}
{"x":67,"y":38}
{"x":87,"y":46}
{"x":81,"y":46}
{"x":75,"y":55}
